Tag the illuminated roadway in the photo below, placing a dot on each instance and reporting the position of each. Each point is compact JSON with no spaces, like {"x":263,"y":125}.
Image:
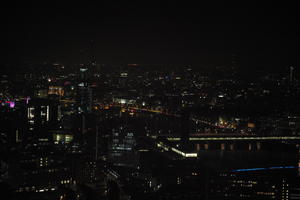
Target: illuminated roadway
{"x":172,"y":115}
{"x":237,"y":138}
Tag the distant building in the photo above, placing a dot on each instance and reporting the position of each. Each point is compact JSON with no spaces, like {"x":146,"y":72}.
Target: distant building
{"x":124,"y":100}
{"x":41,"y":93}
{"x":41,"y":114}
{"x":269,"y":184}
{"x":121,"y":150}
{"x":84,"y":99}
{"x":57,"y":90}
{"x":39,"y":168}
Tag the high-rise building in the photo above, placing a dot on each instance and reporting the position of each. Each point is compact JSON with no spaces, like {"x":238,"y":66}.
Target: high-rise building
{"x":84,"y":91}
{"x":42,"y":114}
{"x":85,"y":95}
{"x":121,"y":148}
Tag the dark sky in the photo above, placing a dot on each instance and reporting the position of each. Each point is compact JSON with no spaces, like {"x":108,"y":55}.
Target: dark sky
{"x":152,"y":32}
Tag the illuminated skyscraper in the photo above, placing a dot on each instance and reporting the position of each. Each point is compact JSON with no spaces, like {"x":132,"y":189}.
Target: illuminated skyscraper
{"x":84,"y":91}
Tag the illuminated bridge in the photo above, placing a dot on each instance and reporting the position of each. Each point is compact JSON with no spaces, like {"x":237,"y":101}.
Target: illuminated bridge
{"x":230,"y":142}
{"x":238,"y":138}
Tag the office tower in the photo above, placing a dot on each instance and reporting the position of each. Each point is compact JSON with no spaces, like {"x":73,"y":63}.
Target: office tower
{"x":85,"y":95}
{"x":291,"y":75}
{"x":41,"y":113}
{"x":84,"y":91}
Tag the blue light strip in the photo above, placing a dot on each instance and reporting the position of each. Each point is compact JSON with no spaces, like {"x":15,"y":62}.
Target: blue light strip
{"x":266,"y":168}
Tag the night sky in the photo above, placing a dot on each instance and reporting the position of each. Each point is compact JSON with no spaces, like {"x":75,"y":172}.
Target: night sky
{"x":261,"y":35}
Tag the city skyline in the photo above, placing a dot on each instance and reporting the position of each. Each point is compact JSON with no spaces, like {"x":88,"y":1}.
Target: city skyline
{"x":169,"y":100}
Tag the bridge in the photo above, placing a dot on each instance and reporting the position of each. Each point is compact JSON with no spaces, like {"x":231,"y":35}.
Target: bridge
{"x":170,"y":114}
{"x":238,"y":138}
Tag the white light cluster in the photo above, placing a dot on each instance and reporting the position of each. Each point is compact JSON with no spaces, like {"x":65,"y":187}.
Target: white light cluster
{"x":167,"y":148}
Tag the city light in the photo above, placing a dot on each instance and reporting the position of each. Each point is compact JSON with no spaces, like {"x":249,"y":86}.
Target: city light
{"x":175,"y":101}
{"x":265,"y":168}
